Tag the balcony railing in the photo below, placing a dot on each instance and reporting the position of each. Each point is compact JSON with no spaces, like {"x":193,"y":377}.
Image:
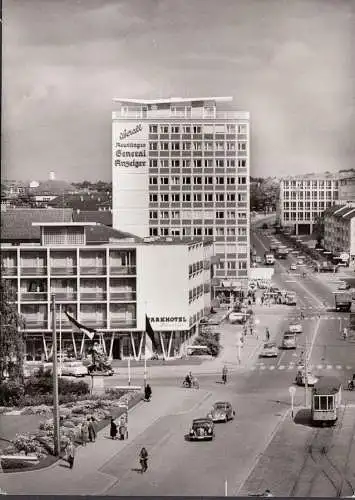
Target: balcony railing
{"x":121,"y":323}
{"x":63,"y":271}
{"x":32,"y":324}
{"x":93,"y":296}
{"x":10,"y":271}
{"x":33,"y":271}
{"x":123,"y":270}
{"x":122,"y":296}
{"x":93,"y":270}
{"x":65,"y":296}
{"x":33,"y":296}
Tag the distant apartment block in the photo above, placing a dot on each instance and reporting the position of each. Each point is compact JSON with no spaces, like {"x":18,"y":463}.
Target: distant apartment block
{"x":180,"y":168}
{"x":347,"y":188}
{"x":339,"y":231}
{"x":303,"y":199}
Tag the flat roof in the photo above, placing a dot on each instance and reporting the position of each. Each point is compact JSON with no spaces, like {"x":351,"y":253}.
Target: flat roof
{"x":171,"y":240}
{"x":65,"y":224}
{"x":171,"y":100}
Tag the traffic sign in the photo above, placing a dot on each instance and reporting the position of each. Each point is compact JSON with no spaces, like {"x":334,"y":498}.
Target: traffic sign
{"x":292,"y":390}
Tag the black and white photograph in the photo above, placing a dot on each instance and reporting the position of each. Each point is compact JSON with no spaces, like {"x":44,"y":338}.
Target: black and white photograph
{"x":177,"y":304}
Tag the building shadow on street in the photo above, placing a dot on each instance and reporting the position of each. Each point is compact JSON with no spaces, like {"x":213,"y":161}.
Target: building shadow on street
{"x":303,"y":417}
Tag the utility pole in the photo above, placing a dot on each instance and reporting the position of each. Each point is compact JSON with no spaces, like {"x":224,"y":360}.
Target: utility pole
{"x":56,"y":436}
{"x":306,"y":375}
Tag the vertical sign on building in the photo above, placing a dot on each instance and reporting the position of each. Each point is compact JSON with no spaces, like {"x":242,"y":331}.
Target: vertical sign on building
{"x":130,"y":176}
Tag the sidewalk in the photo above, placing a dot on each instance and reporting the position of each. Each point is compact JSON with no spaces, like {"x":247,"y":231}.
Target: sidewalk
{"x":86,"y":478}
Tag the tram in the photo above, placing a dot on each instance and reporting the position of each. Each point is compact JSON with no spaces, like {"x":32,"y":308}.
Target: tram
{"x":326,"y":400}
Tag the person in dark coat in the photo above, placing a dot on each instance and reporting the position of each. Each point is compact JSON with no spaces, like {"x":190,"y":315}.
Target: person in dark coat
{"x":147,"y":392}
{"x":113,"y":429}
{"x":70,"y":454}
{"x":92,"y":430}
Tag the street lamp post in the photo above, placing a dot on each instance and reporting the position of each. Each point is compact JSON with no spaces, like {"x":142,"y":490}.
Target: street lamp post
{"x":55,"y":382}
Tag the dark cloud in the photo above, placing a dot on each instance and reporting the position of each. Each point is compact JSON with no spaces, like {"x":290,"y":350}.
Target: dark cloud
{"x":289,"y":63}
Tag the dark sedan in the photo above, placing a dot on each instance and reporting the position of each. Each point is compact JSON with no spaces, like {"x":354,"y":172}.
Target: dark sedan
{"x":202,"y":429}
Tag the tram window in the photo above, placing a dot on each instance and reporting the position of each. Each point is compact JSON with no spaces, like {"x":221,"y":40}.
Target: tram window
{"x":323,"y":402}
{"x":330,"y":403}
{"x":316,"y":403}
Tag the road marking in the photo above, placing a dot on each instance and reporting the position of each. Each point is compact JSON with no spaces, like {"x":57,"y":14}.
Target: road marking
{"x":262,"y":367}
{"x":280,"y":358}
{"x":338,"y":367}
{"x":282,"y":367}
{"x":313,"y":339}
{"x":319,"y":367}
{"x":329,"y":367}
{"x":272,"y":367}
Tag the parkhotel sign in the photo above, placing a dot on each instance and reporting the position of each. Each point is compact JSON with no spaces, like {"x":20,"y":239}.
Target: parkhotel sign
{"x":130,"y":153}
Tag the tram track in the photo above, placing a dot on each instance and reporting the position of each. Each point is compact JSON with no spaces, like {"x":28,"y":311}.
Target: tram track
{"x":317,"y":462}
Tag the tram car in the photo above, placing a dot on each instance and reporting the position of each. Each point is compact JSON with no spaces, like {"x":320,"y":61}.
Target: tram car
{"x":326,"y":400}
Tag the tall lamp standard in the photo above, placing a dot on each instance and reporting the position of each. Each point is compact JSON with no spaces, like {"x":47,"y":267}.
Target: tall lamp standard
{"x":56,"y":436}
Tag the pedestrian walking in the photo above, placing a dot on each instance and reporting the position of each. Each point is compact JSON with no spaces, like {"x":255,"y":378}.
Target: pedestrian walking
{"x":92,"y":429}
{"x":251,"y":330}
{"x":70,"y":450}
{"x":262,"y":300}
{"x":267,"y":334}
{"x":113,"y":429}
{"x":84,"y":432}
{"x":147,"y":392}
{"x":224,"y":374}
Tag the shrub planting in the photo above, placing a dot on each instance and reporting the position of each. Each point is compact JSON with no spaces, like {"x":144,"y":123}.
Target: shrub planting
{"x":211,"y":340}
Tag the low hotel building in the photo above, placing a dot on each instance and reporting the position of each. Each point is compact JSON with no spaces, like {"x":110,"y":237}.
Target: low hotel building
{"x":109,"y":281}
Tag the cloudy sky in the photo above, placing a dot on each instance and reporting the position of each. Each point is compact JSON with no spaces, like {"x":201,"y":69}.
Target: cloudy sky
{"x":289,"y":62}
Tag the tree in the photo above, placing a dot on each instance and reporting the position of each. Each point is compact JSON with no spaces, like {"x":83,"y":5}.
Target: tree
{"x":264,"y":194}
{"x":11,"y":336}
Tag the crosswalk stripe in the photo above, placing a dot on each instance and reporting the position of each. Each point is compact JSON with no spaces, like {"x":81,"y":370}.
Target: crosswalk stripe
{"x":329,"y":367}
{"x":262,"y":367}
{"x":338,"y":367}
{"x":281,"y":367}
{"x":319,"y":367}
{"x":272,"y":367}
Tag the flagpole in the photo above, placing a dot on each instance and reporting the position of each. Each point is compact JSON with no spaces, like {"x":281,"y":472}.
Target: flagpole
{"x":56,"y":435}
{"x":129,"y":370}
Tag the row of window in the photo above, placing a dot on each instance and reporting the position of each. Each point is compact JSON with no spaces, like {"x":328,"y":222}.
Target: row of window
{"x":197,"y":146}
{"x":195,"y":293}
{"x":301,"y":184}
{"x":231,"y":264}
{"x":199,"y":197}
{"x":188,"y":214}
{"x":298,"y":216}
{"x":196,"y":267}
{"x":198,"y":231}
{"x":315,"y":205}
{"x":176,"y":180}
{"x":229,"y":128}
{"x":311,"y":194}
{"x":164,"y":163}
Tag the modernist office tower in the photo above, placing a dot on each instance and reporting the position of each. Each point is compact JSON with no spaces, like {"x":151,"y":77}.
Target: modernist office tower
{"x":181,"y":169}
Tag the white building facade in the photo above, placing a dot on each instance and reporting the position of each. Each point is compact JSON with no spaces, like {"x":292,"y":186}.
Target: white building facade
{"x":347,"y":189}
{"x":110,"y":287}
{"x":339,"y":231}
{"x":303,"y":199}
{"x":180,"y":168}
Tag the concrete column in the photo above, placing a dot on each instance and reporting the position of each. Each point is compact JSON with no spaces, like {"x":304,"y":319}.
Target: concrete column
{"x":311,"y":228}
{"x":296,"y":229}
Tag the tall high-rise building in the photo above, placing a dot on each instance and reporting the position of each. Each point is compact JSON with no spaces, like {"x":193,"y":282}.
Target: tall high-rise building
{"x":181,"y":169}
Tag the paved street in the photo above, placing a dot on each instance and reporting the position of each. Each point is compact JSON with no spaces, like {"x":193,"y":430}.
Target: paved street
{"x":262,"y":448}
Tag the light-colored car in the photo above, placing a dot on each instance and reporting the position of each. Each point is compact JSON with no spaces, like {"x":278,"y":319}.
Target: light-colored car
{"x":300,"y":262}
{"x":295,"y":328}
{"x":258,"y":259}
{"x":293,"y":267}
{"x":222,"y":411}
{"x":289,"y":341}
{"x":343,"y":285}
{"x":301,"y":378}
{"x":74,"y":369}
{"x":235,"y":317}
{"x":269,"y":350}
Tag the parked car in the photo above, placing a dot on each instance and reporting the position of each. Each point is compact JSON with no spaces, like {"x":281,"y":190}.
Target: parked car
{"x":293,"y":267}
{"x":295,"y":328}
{"x":300,"y":262}
{"x":343,"y":285}
{"x":301,"y":378}
{"x":202,"y":429}
{"x":74,"y":369}
{"x":289,"y":341}
{"x":258,"y":259}
{"x":269,"y":350}
{"x":222,"y":411}
{"x":237,"y":317}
